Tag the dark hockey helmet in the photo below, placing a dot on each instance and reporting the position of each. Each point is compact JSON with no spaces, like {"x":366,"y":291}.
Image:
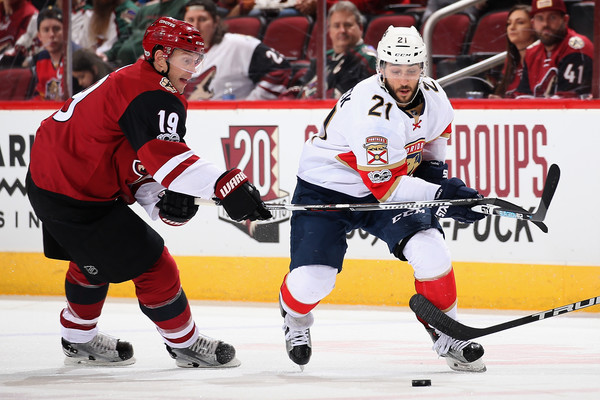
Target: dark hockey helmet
{"x":171,"y":34}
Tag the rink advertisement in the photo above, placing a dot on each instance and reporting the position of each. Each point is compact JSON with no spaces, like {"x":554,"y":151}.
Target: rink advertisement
{"x":501,"y":152}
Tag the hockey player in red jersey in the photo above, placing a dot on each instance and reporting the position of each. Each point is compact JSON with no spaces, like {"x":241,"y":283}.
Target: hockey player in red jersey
{"x":120,"y":141}
{"x":384,"y":140}
{"x":560,"y":64}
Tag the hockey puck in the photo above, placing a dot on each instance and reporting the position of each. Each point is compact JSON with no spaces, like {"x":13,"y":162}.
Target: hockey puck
{"x":421,"y":382}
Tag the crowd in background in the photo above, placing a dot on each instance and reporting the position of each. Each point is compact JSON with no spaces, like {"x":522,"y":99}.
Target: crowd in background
{"x":107,"y":34}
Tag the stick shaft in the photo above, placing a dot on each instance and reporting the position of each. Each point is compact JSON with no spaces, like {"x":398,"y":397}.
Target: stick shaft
{"x":439,"y":320}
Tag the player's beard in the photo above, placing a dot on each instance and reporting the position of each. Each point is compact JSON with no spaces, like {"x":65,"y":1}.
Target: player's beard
{"x":555,"y":37}
{"x":404,"y":99}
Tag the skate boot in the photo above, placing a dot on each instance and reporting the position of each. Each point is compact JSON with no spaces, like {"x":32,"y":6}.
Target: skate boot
{"x":205,"y":352}
{"x":297,"y":337}
{"x":461,"y":355}
{"x":102,"y":350}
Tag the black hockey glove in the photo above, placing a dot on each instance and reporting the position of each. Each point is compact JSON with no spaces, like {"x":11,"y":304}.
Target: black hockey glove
{"x":454,"y":188}
{"x":239,"y":197}
{"x":432,"y":171}
{"x":176,"y":208}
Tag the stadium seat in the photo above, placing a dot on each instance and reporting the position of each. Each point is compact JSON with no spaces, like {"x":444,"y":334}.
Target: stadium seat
{"x":251,"y":26}
{"x":450,"y":36}
{"x":378,"y":25}
{"x":311,"y":49}
{"x":20,"y":86}
{"x":582,"y":18}
{"x":489,"y":37}
{"x":288,"y":35}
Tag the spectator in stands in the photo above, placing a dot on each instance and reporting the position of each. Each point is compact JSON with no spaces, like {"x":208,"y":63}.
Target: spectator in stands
{"x":519,"y":36}
{"x":560,"y":65}
{"x":349,"y":61}
{"x":88,"y":68}
{"x":235,"y":66}
{"x":49,"y":62}
{"x":14,"y":18}
{"x":107,"y":22}
{"x":28,"y":44}
{"x":128,"y":49}
{"x":234,"y":8}
{"x":284,"y":8}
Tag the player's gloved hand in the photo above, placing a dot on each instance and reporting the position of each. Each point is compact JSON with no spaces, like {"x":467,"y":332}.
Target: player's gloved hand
{"x":432,"y":171}
{"x":175,"y":208}
{"x":239,"y":197}
{"x":455,"y":188}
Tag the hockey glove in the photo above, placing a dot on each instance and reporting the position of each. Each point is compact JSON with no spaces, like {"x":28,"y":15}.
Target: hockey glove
{"x":454,"y":188}
{"x":239,"y":197}
{"x":175,"y":208}
{"x":432,"y":171}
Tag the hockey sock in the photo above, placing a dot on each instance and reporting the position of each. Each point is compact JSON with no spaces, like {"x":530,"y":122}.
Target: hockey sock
{"x":441,"y":292}
{"x":162,"y":299}
{"x":290,"y":304}
{"x":84,"y":305}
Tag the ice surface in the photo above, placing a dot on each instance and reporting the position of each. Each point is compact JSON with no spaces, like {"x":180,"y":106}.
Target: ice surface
{"x":359,"y":353}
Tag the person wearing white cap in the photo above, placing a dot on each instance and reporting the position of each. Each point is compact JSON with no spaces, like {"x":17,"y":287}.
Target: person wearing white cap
{"x":560,"y":65}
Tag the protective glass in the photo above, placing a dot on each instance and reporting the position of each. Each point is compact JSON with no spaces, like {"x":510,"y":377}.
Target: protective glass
{"x":186,"y":60}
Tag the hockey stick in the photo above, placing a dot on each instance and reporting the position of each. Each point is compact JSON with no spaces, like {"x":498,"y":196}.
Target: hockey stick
{"x":488,"y":205}
{"x":439,"y":320}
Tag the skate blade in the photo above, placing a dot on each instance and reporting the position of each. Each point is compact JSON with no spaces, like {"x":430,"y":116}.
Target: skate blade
{"x":187,"y":364}
{"x":84,"y":362}
{"x":476,"y":366}
{"x":301,"y":368}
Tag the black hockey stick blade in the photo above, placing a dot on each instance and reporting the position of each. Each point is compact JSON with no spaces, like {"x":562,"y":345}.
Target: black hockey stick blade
{"x":436,"y":318}
{"x":503,"y":208}
{"x":549,"y":188}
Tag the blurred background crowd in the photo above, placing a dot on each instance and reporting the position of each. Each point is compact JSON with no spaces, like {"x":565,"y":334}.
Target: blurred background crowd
{"x":267,"y":49}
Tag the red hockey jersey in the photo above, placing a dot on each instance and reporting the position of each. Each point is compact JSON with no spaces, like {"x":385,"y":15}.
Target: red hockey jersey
{"x":129,"y":124}
{"x":49,"y":78}
{"x":565,"y":72}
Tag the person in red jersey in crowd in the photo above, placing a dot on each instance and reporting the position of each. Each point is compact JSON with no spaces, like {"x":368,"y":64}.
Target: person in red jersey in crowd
{"x":14,"y":19}
{"x":49,"y":63}
{"x":120,"y":141}
{"x":560,"y":65}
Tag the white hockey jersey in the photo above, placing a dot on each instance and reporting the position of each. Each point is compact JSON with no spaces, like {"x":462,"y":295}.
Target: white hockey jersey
{"x":367,"y":142}
{"x":252,"y":70}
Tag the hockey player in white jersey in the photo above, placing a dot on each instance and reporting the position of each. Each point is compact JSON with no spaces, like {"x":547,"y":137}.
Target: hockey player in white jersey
{"x":385,"y":140}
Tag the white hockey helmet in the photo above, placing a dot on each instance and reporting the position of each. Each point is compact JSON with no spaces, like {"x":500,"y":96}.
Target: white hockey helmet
{"x":401,"y":45}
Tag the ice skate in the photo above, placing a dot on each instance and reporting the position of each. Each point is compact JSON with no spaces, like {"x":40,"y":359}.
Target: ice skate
{"x":102,"y":350}
{"x":460,"y":355}
{"x":297,"y":337}
{"x":205,"y":352}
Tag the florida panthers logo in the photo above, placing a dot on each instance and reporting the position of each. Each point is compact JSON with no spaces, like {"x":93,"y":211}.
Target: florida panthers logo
{"x":414,"y":154}
{"x":377,"y":150}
